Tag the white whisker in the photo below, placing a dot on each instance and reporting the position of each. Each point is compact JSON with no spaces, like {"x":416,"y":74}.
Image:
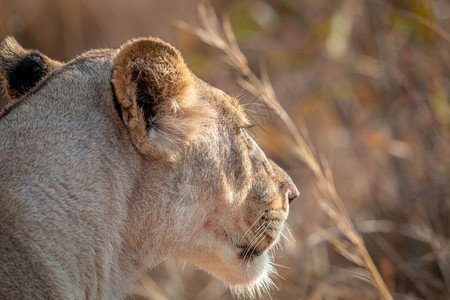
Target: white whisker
{"x":254,"y":248}
{"x":289,"y":232}
{"x":260,"y":228}
{"x":278,"y":265}
{"x":287,"y":239}
{"x":250,"y":246}
{"x":251,"y":227}
{"x":239,"y":94}
{"x":256,"y":242}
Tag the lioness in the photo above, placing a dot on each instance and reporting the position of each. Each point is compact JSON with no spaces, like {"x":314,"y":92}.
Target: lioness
{"x":118,"y":159}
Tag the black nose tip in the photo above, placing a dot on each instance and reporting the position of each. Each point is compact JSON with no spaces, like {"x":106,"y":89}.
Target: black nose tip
{"x":293,"y":194}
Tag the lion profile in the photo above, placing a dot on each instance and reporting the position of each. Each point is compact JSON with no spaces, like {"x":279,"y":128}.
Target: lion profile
{"x":118,"y":159}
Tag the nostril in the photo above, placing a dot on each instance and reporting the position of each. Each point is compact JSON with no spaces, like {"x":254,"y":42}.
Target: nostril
{"x":292,"y":195}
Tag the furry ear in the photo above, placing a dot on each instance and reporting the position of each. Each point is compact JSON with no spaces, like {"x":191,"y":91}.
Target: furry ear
{"x":157,"y":97}
{"x":22,"y":69}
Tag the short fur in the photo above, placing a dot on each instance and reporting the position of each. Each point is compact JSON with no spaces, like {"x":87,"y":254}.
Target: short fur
{"x":119,"y":159}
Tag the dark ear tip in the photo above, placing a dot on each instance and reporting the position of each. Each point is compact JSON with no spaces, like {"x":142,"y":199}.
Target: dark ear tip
{"x":22,"y":69}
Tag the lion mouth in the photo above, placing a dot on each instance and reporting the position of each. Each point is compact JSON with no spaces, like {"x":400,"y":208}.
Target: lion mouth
{"x":262,"y":242}
{"x":249,"y":252}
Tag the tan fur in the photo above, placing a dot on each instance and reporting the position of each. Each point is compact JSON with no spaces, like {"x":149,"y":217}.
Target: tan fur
{"x":119,"y":159}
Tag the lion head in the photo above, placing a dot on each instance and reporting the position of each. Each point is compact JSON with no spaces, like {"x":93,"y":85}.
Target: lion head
{"x":237,"y":198}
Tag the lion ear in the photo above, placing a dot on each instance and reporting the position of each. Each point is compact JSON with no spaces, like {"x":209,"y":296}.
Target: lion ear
{"x":22,"y":69}
{"x":156,"y":96}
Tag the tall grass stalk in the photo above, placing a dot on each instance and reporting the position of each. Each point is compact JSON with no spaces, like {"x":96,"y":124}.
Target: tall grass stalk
{"x":221,"y":36}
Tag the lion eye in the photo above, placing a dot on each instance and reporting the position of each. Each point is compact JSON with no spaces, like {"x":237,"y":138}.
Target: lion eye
{"x":240,"y":128}
{"x":249,"y":126}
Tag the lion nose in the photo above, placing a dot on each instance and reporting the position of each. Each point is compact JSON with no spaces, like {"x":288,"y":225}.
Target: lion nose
{"x":292,"y":194}
{"x":287,"y":186}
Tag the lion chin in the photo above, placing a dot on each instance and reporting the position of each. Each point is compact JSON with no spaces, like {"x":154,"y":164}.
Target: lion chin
{"x":246,"y":272}
{"x":252,"y":278}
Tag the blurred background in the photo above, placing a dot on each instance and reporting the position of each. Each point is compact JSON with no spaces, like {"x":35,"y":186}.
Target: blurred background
{"x":370,"y":79}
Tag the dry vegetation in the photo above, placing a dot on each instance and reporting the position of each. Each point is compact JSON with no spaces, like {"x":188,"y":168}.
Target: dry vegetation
{"x":367,"y":82}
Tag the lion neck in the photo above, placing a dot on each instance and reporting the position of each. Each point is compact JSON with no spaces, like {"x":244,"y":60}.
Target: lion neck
{"x":160,"y":222}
